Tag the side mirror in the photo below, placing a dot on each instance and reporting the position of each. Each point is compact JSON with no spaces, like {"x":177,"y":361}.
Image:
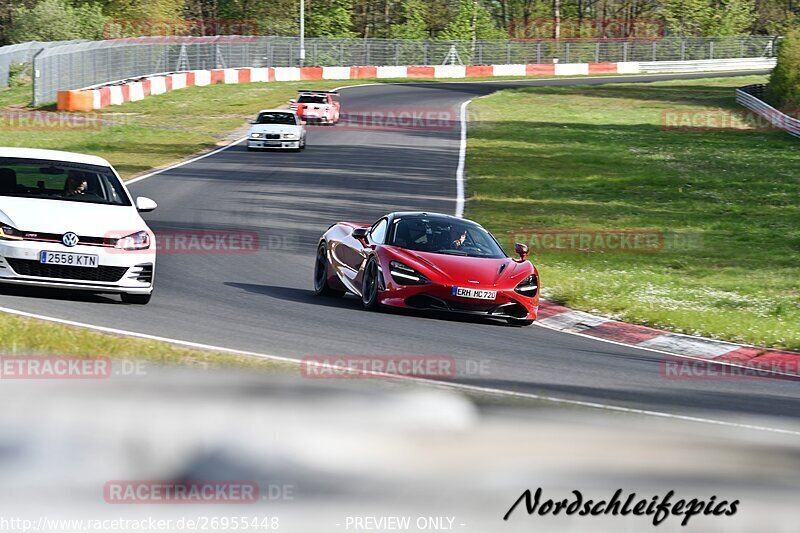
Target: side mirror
{"x":521,"y":250}
{"x":145,"y":205}
{"x":360,"y":233}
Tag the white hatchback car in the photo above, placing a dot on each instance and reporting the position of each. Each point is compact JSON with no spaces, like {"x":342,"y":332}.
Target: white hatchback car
{"x":67,"y":221}
{"x":277,"y":128}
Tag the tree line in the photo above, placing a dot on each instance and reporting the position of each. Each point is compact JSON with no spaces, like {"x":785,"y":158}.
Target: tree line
{"x":48,"y":20}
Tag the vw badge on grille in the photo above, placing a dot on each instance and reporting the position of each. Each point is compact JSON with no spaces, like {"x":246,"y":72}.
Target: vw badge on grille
{"x":69,"y":239}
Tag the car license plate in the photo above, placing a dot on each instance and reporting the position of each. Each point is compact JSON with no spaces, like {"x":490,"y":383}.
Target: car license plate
{"x":69,"y":259}
{"x":272,"y":143}
{"x":478,"y":294}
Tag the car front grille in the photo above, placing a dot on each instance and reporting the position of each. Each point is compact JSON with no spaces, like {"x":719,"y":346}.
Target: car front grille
{"x":26,"y":267}
{"x":433,"y":303}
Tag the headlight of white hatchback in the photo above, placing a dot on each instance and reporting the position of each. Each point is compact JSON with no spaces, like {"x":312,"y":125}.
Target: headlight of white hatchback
{"x":8,"y":233}
{"x":136,"y":241}
{"x":255,"y":135}
{"x":289,"y":136}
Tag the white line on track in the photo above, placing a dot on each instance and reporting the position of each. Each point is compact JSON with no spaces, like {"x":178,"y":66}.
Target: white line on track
{"x":182,"y":163}
{"x":442,"y":384}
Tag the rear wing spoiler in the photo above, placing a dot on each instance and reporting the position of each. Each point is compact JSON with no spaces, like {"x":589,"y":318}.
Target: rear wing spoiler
{"x":315,"y":93}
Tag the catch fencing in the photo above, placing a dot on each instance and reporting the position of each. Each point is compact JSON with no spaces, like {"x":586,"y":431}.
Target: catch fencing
{"x":86,"y":64}
{"x":21,"y":54}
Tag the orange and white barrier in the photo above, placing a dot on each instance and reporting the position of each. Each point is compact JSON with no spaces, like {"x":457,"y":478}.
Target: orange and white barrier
{"x":132,"y":90}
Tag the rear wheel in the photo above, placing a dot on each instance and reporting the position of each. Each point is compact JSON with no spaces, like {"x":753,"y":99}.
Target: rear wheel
{"x":136,"y":299}
{"x":321,"y":286}
{"x":369,"y":287}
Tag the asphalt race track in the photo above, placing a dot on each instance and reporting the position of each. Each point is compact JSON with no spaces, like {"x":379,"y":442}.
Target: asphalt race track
{"x":263,"y":301}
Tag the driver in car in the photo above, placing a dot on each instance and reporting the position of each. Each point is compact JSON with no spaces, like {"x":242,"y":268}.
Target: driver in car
{"x":457,"y":238}
{"x":76,"y":184}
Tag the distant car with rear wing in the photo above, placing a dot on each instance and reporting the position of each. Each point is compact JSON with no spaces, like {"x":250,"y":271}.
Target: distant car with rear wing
{"x":317,"y":107}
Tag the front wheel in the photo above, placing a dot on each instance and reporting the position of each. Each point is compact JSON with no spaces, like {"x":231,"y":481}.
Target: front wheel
{"x":136,"y":299}
{"x":321,"y":286}
{"x":369,"y":287}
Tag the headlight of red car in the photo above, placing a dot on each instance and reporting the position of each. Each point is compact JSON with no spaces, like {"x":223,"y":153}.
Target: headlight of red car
{"x":405,"y":275}
{"x":528,"y":286}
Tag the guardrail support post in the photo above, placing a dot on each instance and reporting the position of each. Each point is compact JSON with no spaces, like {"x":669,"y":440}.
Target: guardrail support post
{"x":37,"y":78}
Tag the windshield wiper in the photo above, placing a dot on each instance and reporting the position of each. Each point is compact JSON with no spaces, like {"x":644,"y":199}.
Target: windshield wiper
{"x":451,"y":252}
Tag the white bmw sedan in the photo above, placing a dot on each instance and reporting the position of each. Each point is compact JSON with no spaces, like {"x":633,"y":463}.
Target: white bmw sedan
{"x":277,"y":128}
{"x":67,"y":221}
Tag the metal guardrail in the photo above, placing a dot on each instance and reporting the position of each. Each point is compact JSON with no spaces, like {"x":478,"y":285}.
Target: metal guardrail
{"x":706,"y":65}
{"x":85,"y":64}
{"x":21,"y":54}
{"x":751,"y":97}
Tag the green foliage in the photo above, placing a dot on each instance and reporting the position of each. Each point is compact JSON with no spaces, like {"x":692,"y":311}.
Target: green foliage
{"x":472,"y":20}
{"x":57,"y":20}
{"x":732,"y":17}
{"x":150,"y":10}
{"x":774,"y":17}
{"x":784,"y":83}
{"x":329,"y":18}
{"x":414,"y":25}
{"x":699,"y":18}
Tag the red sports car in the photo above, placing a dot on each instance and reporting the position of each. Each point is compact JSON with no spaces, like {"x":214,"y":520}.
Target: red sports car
{"x":427,"y":261}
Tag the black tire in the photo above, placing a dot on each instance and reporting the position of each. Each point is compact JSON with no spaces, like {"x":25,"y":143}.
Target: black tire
{"x":136,"y":299}
{"x":321,"y":287}
{"x":369,"y":286}
{"x":251,"y":149}
{"x":519,"y":322}
{"x":303,"y":146}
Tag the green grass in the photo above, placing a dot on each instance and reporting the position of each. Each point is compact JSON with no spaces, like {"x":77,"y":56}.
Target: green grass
{"x":19,"y":335}
{"x":592,"y":158}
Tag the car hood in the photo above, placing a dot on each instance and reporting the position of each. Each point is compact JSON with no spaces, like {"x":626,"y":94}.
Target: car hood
{"x":56,"y":216}
{"x":273,"y":128}
{"x":456,"y":270}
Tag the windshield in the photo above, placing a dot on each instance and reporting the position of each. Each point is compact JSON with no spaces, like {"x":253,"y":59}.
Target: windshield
{"x":442,"y":235}
{"x":309,"y":99}
{"x":276,"y":118}
{"x":56,"y":180}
